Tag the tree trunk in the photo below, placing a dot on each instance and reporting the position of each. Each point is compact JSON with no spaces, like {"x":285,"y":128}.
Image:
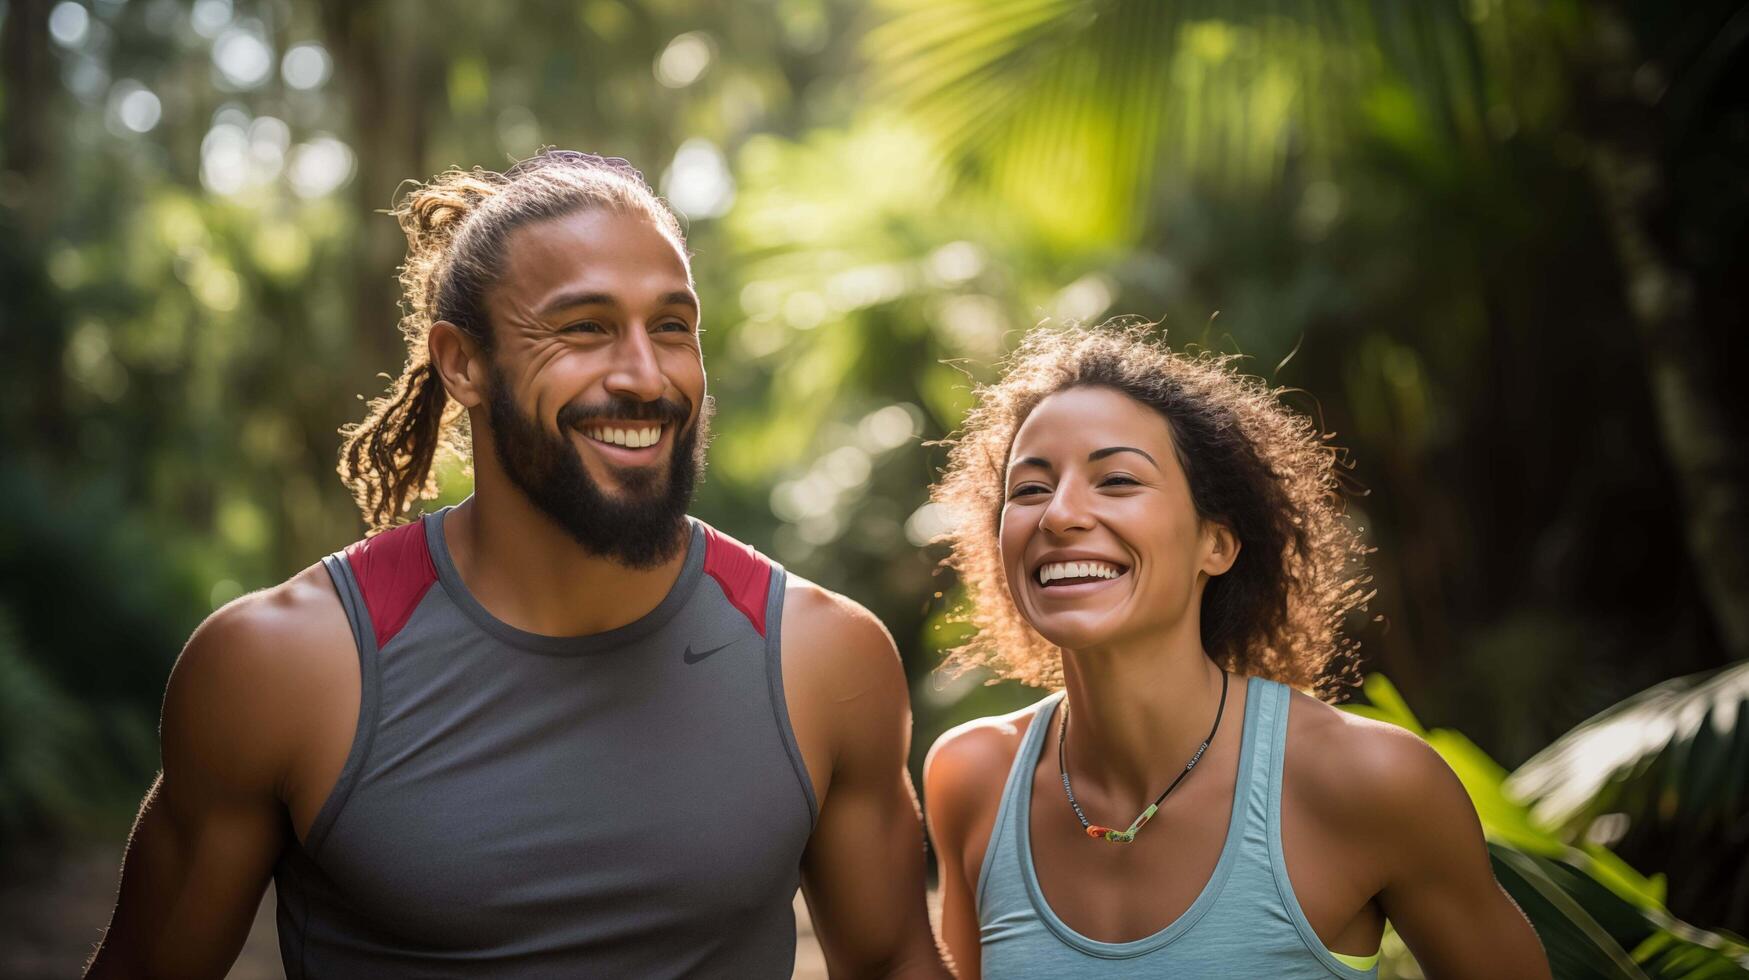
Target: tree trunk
{"x":1701,"y":440}
{"x":32,"y":92}
{"x":387,"y":74}
{"x":33,"y":320}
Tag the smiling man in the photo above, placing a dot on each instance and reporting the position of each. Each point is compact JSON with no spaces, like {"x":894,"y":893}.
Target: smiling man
{"x":561,"y":729}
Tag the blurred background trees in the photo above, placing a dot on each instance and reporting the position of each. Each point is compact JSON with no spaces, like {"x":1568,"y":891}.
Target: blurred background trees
{"x":1497,"y":246}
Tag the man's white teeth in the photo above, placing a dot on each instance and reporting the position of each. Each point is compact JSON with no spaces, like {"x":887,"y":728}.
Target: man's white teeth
{"x":1077,"y":569}
{"x":636,"y":438}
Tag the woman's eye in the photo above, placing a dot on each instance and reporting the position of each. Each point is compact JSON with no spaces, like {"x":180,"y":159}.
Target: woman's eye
{"x":1027,"y":490}
{"x":1119,"y":481}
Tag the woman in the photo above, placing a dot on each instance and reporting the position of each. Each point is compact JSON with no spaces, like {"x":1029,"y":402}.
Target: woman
{"x":1157,"y":536}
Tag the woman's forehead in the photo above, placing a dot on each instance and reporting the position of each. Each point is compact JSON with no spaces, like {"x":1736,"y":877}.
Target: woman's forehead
{"x":1071,"y":419}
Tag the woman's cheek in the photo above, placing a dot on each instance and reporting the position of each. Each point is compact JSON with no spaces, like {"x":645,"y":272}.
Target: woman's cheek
{"x":1013,"y":571}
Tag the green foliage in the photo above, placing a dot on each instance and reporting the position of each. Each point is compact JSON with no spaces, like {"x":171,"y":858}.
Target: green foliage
{"x":41,"y":729}
{"x":60,"y":771}
{"x":1665,"y":772}
{"x":1070,"y":111}
{"x":1084,"y":113}
{"x":1595,"y":915}
{"x":84,"y":653}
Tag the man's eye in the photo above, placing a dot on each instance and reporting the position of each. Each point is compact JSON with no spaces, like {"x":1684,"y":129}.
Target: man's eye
{"x":583,"y":326}
{"x":675,"y":326}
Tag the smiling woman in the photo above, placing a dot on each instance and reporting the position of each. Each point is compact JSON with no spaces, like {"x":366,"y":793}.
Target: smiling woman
{"x":1249,"y":462}
{"x":1160,"y":537}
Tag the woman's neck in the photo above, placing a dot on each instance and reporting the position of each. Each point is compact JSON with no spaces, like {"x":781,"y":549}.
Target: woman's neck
{"x":1138,"y":710}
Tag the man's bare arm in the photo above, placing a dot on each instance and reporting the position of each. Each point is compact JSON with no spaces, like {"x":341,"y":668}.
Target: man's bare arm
{"x":214,"y":822}
{"x":863,"y":873}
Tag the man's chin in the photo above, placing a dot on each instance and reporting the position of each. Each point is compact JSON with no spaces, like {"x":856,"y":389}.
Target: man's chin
{"x":629,"y":485}
{"x":635,"y":496}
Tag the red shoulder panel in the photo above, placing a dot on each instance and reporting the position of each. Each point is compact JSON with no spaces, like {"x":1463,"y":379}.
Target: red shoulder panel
{"x":744,"y":574}
{"x":393,"y":570}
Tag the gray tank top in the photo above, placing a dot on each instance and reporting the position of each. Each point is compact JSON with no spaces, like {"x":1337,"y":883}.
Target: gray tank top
{"x":627,"y":804}
{"x":1245,"y":923}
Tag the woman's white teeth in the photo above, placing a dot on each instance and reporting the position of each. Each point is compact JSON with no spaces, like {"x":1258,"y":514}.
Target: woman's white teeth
{"x":1077,"y":569}
{"x":635,"y":438}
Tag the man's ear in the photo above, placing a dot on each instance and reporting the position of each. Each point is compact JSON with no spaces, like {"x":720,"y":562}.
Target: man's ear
{"x":459,"y":363}
{"x":1222,"y":548}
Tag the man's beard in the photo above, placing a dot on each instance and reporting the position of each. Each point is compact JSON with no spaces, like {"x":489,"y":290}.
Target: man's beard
{"x":639,"y":527}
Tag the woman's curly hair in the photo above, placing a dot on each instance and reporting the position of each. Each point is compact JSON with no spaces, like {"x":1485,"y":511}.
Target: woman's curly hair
{"x":1253,"y":464}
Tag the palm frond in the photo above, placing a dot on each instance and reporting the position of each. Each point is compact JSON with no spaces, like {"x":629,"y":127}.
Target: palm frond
{"x":1666,"y":772}
{"x":1680,"y":738}
{"x":1588,"y":930}
{"x":1074,"y":112}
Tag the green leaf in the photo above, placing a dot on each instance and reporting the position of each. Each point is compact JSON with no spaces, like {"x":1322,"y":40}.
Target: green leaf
{"x":1070,"y":111}
{"x":1596,"y":915}
{"x":1669,"y":768}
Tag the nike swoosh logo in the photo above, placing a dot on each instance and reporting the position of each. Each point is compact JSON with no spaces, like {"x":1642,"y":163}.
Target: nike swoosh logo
{"x":693,"y":658}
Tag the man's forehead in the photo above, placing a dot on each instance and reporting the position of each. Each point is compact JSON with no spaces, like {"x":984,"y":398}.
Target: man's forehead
{"x":596,"y":251}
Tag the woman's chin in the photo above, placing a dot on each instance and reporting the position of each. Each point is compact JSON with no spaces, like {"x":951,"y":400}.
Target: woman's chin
{"x":1064,"y":632}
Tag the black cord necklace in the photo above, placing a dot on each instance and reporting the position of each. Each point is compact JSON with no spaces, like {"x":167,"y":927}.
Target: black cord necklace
{"x":1125,"y":836}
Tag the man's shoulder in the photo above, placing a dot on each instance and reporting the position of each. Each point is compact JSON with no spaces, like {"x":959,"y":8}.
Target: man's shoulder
{"x":285,"y":623}
{"x":828,"y":635}
{"x":247,"y":684}
{"x":813,"y":607}
{"x":848,"y":697}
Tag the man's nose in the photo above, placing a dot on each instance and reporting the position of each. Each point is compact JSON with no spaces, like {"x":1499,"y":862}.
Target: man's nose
{"x":635,"y":374}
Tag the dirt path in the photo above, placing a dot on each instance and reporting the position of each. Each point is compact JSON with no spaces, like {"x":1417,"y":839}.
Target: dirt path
{"x":53,"y":909}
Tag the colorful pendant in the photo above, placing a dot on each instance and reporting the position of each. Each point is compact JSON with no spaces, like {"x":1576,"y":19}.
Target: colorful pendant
{"x":1123,"y":836}
{"x":1115,"y":836}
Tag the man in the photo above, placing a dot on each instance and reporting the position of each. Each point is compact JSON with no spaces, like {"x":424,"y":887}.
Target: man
{"x":558,"y":730}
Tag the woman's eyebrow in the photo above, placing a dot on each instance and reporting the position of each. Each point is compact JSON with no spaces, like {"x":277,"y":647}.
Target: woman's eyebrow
{"x":1092,"y":457}
{"x":1099,"y":454}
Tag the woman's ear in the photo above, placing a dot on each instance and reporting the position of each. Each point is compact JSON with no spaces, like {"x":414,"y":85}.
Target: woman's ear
{"x":1220,"y":548}
{"x":459,"y":363}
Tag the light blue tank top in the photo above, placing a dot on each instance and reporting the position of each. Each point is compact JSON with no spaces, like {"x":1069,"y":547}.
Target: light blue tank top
{"x":1245,"y":923}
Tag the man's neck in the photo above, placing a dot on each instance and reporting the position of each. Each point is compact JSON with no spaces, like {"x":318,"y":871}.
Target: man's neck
{"x":527,"y":571}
